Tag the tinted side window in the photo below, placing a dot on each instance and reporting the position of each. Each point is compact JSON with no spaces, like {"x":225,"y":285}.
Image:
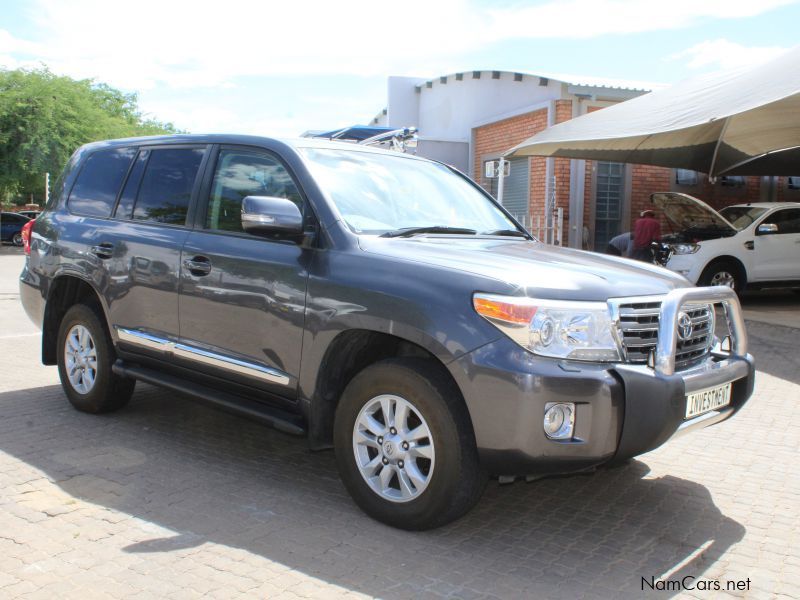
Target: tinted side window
{"x":788,"y":221}
{"x":128,"y":196}
{"x":167,"y":185}
{"x":95,"y":190}
{"x":241,"y":173}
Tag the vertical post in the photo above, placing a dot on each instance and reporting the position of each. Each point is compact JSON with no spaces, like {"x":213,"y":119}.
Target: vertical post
{"x":560,"y":230}
{"x":501,"y":168}
{"x":46,"y":188}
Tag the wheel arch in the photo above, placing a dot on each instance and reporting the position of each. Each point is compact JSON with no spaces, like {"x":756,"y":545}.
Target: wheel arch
{"x":350,"y":352}
{"x":726,"y":258}
{"x":65,"y":291}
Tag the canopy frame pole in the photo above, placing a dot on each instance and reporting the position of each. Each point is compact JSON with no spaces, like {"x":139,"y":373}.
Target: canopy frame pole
{"x":501,"y":167}
{"x":716,"y":149}
{"x":755,"y":158}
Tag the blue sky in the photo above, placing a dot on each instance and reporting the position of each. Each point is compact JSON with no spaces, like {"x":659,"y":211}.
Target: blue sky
{"x":277,"y":68}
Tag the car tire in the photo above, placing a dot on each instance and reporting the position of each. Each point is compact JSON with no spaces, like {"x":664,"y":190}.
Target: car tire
{"x":17,"y":239}
{"x":723,"y":272}
{"x":85,"y":357}
{"x":442,"y":479}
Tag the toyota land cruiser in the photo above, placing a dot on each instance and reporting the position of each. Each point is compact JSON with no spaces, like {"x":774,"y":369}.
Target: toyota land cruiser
{"x":381,"y":304}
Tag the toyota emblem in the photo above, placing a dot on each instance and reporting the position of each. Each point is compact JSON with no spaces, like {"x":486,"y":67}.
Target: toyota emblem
{"x":685,"y":326}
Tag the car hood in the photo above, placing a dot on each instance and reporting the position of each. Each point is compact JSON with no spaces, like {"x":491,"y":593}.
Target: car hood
{"x":537,"y":269}
{"x":686,"y":212}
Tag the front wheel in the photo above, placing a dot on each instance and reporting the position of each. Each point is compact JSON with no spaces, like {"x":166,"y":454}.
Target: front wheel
{"x":724,"y":273}
{"x":17,"y":239}
{"x":85,"y":357}
{"x":405,"y":447}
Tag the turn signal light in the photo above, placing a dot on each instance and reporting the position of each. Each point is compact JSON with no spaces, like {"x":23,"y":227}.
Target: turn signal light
{"x":503,"y":311}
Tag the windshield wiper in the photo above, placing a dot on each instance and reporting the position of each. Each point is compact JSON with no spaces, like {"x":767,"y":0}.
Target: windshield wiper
{"x":408,"y":231}
{"x":507,"y":232}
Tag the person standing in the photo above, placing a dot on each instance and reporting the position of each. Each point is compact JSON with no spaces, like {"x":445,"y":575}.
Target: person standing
{"x":646,"y":230}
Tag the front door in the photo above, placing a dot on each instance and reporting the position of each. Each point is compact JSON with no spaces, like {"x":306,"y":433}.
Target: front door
{"x":242,"y":297}
{"x":776,"y":256}
{"x":608,"y":199}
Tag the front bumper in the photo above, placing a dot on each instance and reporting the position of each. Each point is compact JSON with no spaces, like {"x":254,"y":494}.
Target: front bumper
{"x":688,"y":265}
{"x":621,"y":410}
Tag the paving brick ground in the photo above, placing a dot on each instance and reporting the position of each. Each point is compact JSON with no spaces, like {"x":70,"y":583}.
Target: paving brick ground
{"x":170,"y":499}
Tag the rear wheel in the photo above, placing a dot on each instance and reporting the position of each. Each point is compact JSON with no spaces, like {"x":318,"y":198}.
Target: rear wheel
{"x":85,"y":357}
{"x":725,"y":273}
{"x":17,"y":239}
{"x":405,"y":446}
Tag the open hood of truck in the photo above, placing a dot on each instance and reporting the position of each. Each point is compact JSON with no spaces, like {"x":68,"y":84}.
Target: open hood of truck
{"x":687,"y":213}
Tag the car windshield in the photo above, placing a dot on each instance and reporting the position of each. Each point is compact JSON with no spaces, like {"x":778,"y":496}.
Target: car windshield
{"x":380,"y":193}
{"x":742,"y":216}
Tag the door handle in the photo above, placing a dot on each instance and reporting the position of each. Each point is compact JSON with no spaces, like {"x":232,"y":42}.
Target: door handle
{"x":749,"y":245}
{"x":198,"y":265}
{"x":103,"y":250}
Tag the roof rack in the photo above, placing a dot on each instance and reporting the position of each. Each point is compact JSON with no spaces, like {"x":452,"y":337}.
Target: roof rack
{"x":403,"y":139}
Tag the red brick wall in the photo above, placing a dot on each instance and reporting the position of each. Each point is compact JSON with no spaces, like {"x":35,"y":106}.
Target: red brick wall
{"x":561,"y":168}
{"x":498,"y":137}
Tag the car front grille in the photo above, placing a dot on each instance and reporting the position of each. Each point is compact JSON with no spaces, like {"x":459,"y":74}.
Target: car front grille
{"x":638,"y":323}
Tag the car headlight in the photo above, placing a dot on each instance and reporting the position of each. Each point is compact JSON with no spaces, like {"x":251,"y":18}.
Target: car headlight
{"x":685,"y":248}
{"x":554,"y":328}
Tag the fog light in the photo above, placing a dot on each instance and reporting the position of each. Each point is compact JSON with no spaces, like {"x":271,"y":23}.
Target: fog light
{"x":559,"y":420}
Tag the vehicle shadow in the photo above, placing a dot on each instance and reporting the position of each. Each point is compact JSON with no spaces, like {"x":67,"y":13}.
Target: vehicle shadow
{"x":211,"y":477}
{"x":775,"y":349}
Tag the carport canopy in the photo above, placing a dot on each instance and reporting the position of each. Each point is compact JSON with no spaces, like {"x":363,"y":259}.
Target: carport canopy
{"x":742,"y":122}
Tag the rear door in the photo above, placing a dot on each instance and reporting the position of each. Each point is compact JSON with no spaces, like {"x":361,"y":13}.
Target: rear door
{"x":776,"y":256}
{"x":242,"y":297}
{"x":136,"y":250}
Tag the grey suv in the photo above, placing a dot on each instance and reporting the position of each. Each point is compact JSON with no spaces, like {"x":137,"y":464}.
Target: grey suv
{"x":378,"y":303}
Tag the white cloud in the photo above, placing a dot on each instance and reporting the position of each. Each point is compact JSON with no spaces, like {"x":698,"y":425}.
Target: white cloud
{"x":724,"y":54}
{"x":592,"y":18}
{"x":183,"y":55}
{"x":201,"y":43}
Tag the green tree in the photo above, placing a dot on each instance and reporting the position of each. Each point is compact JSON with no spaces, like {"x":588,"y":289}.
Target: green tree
{"x":45,"y":117}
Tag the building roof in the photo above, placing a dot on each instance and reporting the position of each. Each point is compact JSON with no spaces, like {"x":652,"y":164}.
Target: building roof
{"x":544,"y":78}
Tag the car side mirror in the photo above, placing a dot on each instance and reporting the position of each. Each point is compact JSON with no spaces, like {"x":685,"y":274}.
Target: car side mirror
{"x":767,"y":228}
{"x":264,"y":215}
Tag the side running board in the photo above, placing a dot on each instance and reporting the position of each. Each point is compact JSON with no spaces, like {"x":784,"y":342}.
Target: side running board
{"x":230,"y":403}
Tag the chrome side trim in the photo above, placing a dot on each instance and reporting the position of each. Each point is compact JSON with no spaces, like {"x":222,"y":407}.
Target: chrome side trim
{"x":213,"y":359}
{"x":144,"y":339}
{"x":232,"y":364}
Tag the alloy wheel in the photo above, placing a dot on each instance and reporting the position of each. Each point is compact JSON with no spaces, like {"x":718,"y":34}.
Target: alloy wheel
{"x":723,"y":278}
{"x":80,"y":358}
{"x":394,"y":448}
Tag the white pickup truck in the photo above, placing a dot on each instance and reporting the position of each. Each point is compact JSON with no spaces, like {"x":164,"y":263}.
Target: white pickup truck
{"x":752,"y":245}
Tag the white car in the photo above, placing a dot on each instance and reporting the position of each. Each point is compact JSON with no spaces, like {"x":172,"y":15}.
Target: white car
{"x":745,"y":245}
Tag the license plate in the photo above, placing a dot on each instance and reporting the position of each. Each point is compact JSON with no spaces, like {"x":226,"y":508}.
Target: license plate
{"x":698,"y":403}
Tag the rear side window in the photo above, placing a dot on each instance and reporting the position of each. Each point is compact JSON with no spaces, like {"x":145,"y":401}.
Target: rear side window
{"x":166,"y":186}
{"x":98,"y":183}
{"x":128,"y":196}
